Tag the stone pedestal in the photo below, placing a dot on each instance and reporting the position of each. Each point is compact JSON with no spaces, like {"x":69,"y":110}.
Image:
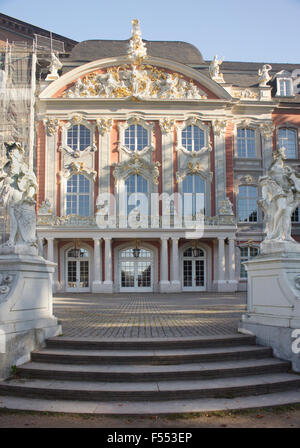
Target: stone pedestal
{"x":26,"y":308}
{"x":273,"y":302}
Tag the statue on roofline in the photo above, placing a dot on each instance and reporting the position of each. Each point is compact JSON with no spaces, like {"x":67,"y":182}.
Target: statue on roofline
{"x":55,"y":65}
{"x":264,"y":76}
{"x":214,"y":70}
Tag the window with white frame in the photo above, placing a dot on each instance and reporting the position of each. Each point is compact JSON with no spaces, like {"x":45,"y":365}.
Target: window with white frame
{"x":193,"y":195}
{"x":136,"y":137}
{"x":284,"y":87}
{"x":135,"y":184}
{"x":247,"y":203}
{"x":287,"y":138}
{"x":246,"y":253}
{"x":192,"y":138}
{"x":78,"y":137}
{"x":246,"y":143}
{"x":78,"y":195}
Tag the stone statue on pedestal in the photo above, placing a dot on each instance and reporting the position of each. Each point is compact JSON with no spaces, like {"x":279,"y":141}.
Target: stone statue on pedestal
{"x":54,"y":67}
{"x":264,"y":76}
{"x":280,"y":196}
{"x":214,"y":70}
{"x":18,"y":188}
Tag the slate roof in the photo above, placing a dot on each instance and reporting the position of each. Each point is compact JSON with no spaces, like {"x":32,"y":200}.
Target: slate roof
{"x":240,"y":74}
{"x":12,"y":29}
{"x":90,"y":50}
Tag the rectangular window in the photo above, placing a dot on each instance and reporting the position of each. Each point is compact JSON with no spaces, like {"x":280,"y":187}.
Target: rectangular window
{"x":247,"y":203}
{"x":246,"y":253}
{"x":246,"y":147}
{"x":78,"y":196}
{"x":287,"y":138}
{"x":285,"y":87}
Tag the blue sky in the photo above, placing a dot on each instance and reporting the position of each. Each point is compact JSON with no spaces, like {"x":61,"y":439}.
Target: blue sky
{"x":256,"y":30}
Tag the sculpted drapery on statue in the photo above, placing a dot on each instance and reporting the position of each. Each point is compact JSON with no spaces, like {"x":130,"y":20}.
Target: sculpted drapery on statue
{"x":18,"y":188}
{"x":280,"y":196}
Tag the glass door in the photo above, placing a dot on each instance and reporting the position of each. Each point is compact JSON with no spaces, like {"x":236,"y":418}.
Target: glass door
{"x":136,"y":270}
{"x":194,"y":269}
{"x":77,"y":270}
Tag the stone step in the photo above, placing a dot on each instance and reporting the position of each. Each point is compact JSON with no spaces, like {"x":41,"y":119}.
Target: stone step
{"x":151,"y":408}
{"x":142,"y":373}
{"x":160,"y":357}
{"x":150,"y":343}
{"x":151,"y":391}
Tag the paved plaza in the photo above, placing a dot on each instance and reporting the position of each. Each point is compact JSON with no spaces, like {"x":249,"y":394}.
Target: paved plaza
{"x":148,"y":315}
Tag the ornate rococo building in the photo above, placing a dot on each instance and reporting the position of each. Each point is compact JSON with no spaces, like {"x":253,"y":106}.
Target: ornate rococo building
{"x":121,"y":121}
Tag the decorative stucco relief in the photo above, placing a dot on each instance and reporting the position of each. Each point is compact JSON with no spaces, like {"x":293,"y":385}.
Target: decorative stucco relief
{"x":135,"y":165}
{"x":135,"y":82}
{"x":51,"y":125}
{"x":78,"y":168}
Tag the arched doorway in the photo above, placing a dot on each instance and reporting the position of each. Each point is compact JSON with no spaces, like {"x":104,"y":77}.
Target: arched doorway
{"x":194,"y":269}
{"x":77,"y":270}
{"x":136,"y":270}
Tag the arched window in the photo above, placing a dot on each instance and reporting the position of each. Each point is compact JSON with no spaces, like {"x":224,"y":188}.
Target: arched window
{"x":78,"y":137}
{"x":193,"y":195}
{"x":246,"y":143}
{"x":192,"y":138}
{"x":247,"y":203}
{"x":288,"y":139}
{"x":246,"y":253}
{"x":136,"y":137}
{"x":135,"y":184}
{"x":78,"y":196}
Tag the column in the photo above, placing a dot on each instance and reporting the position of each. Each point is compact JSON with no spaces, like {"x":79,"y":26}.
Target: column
{"x":221,"y":258}
{"x":96,"y":286}
{"x":232,"y":282}
{"x":231,"y":259}
{"x":175,"y":275}
{"x":50,"y":257}
{"x":164,"y":265}
{"x":50,"y":249}
{"x":220,"y":277}
{"x":51,"y":128}
{"x":108,"y":284}
{"x":219,"y":128}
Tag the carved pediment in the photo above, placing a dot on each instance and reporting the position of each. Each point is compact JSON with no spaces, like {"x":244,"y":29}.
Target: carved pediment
{"x":138,"y":82}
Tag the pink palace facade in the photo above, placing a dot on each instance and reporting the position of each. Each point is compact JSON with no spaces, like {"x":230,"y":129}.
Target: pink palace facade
{"x":131,"y":118}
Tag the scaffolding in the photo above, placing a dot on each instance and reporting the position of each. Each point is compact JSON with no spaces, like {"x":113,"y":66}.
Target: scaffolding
{"x":18,"y":88}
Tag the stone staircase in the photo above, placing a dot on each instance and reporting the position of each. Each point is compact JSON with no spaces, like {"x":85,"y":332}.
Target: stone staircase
{"x":151,"y":376}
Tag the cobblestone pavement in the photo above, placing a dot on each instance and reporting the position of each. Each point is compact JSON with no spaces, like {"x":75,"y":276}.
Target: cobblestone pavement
{"x":148,"y":315}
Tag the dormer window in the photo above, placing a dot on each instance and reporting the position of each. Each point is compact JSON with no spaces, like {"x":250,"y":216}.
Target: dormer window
{"x":284,"y":84}
{"x":285,"y":87}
